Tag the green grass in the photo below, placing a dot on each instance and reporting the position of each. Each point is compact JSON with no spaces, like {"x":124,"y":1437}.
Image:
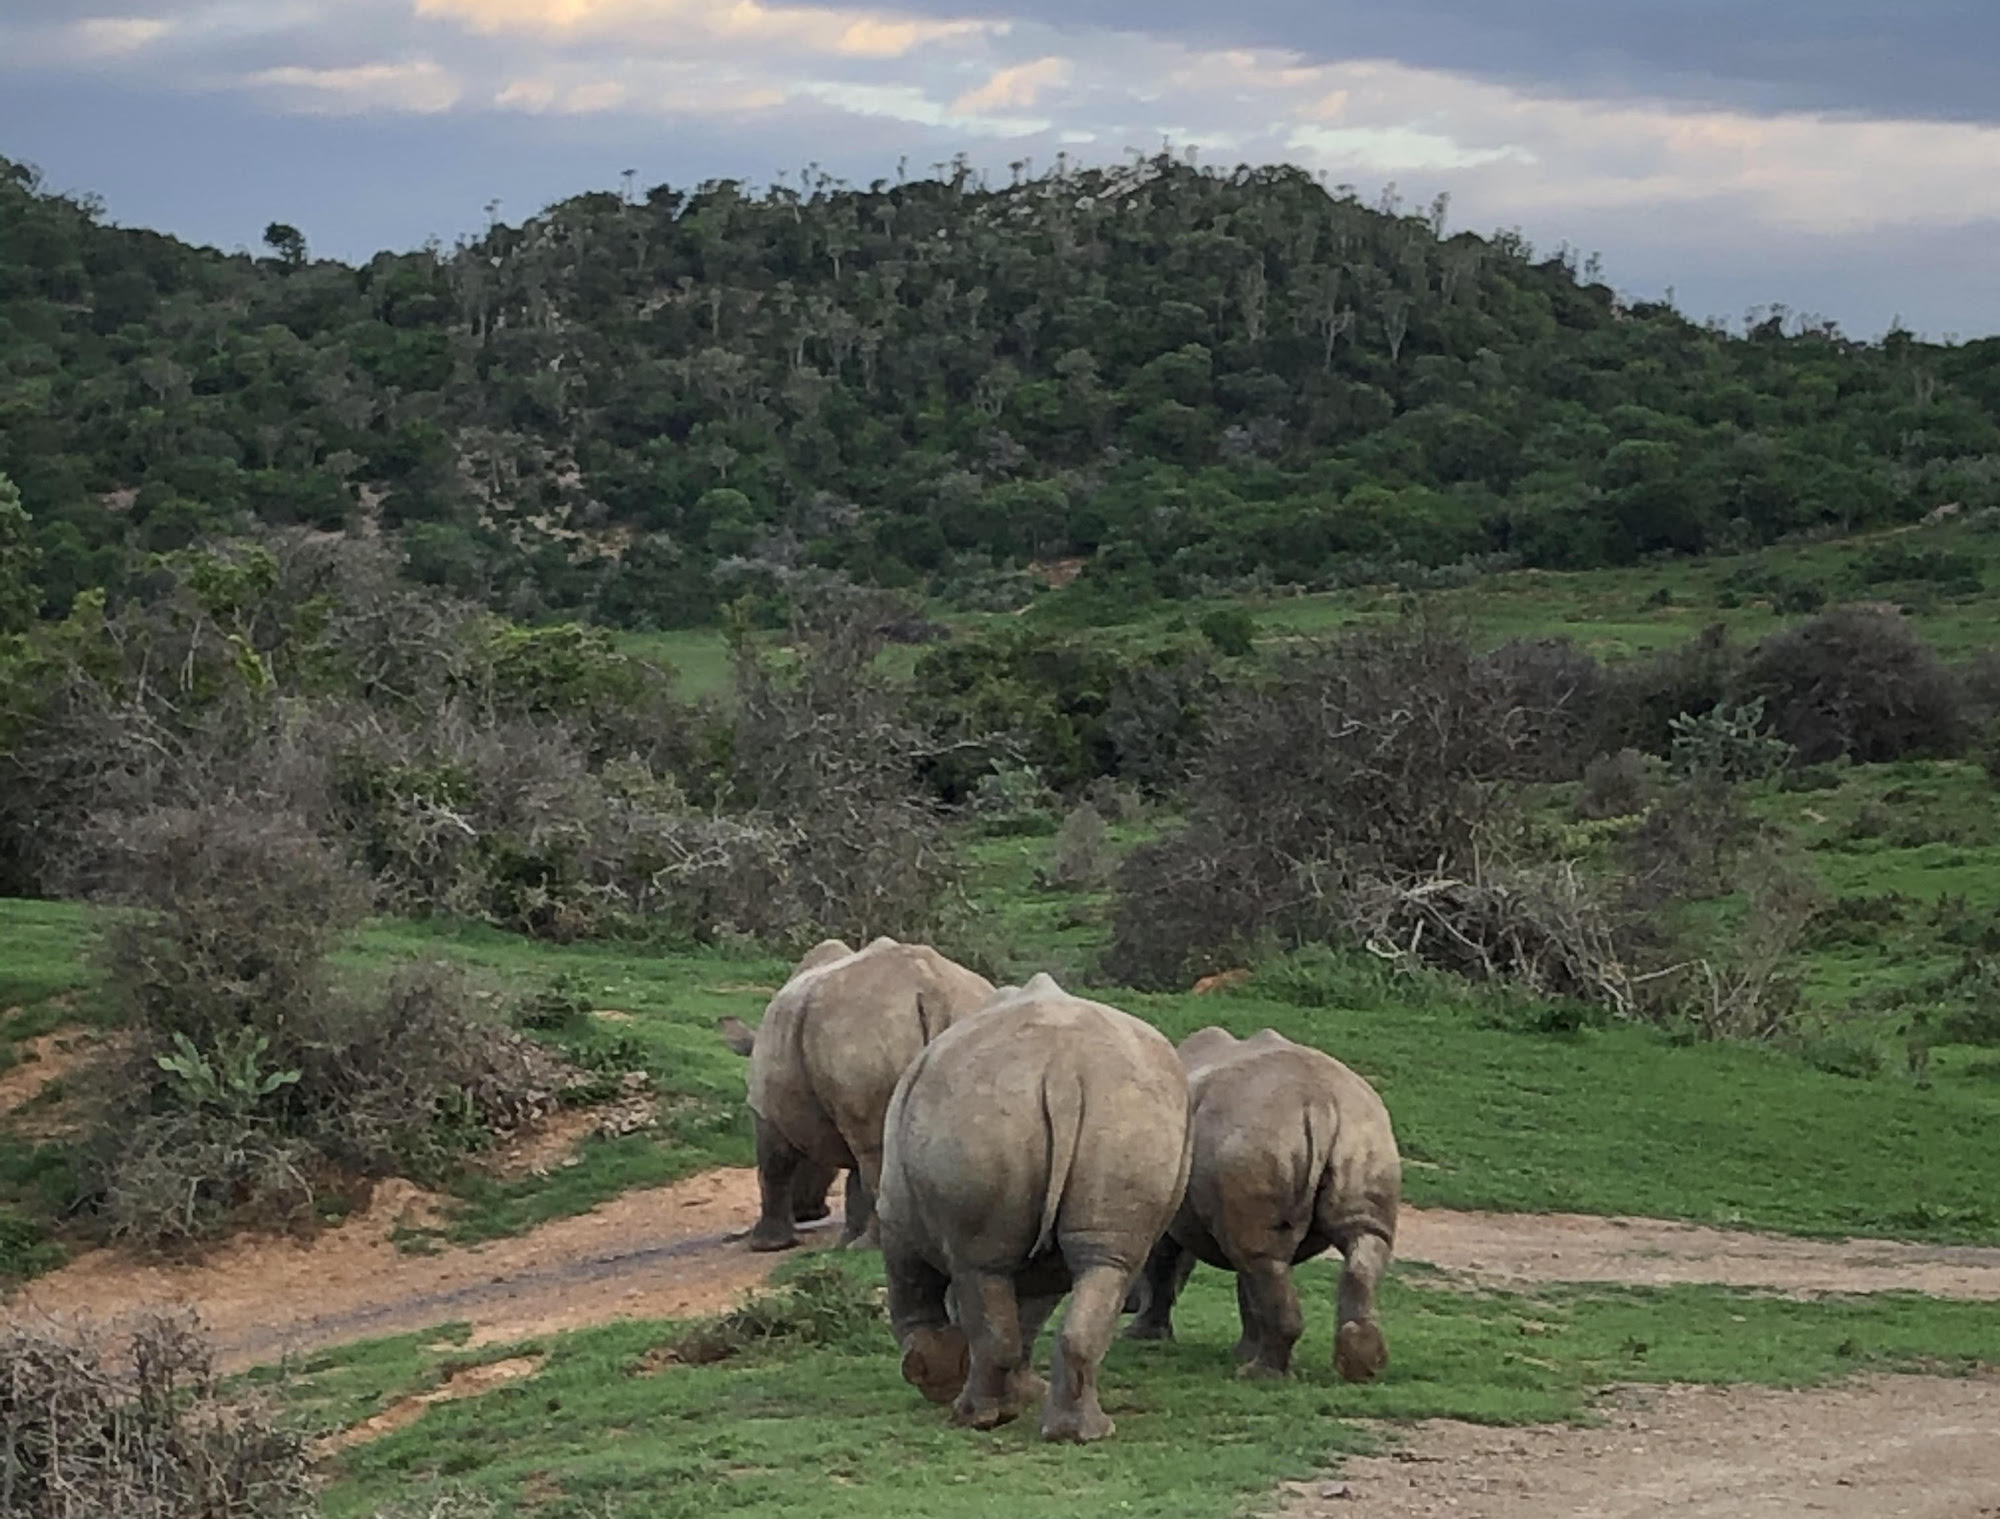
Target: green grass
{"x":834,"y":1431}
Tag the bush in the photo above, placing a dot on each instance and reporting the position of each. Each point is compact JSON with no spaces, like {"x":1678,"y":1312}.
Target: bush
{"x":1557,"y":691}
{"x":1643,"y":697}
{"x":1232,"y":631}
{"x":146,"y":1432}
{"x":1858,"y":683}
{"x":820,"y":1305}
{"x":1082,"y":859}
{"x":1614,"y":786}
{"x":1377,"y":757}
{"x":253,"y":1077}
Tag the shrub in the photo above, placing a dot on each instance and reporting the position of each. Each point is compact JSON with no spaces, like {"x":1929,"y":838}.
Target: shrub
{"x":1614,"y":786}
{"x":820,"y":1305}
{"x":1725,"y":745}
{"x":1859,"y":683}
{"x":146,"y":1432}
{"x":1082,"y":859}
{"x":1379,"y":756}
{"x":1231,"y":630}
{"x":1643,"y":697}
{"x":253,"y":1076}
{"x":1557,"y":691}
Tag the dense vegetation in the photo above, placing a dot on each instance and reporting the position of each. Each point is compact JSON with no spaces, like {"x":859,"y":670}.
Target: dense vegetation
{"x":645,"y":407}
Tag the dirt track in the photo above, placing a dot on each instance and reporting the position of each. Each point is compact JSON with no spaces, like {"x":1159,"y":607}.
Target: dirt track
{"x":676,"y":1251}
{"x":1920,"y":1447}
{"x":1898,"y":1445}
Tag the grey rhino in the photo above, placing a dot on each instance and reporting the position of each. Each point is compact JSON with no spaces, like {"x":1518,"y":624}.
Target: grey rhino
{"x":1036,"y":1148}
{"x":1293,"y":1153}
{"x":833,"y":1041}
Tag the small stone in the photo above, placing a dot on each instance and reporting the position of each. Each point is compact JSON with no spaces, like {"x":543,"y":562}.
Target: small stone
{"x":1336,"y":1490}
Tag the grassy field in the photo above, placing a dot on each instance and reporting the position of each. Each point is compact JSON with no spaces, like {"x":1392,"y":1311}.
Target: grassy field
{"x":1938,"y":574}
{"x":606,"y":1431}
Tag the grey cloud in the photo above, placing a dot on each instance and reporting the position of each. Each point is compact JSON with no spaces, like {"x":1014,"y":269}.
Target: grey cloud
{"x":1936,"y":59}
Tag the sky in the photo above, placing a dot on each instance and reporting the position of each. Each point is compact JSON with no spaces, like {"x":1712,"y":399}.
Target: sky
{"x":1838,"y":157}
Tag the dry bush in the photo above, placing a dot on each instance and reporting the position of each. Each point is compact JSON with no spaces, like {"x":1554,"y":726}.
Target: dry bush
{"x":1383,"y":756}
{"x":1860,"y":683}
{"x":252,"y":1076}
{"x":1644,"y":696}
{"x":829,"y":752}
{"x":1614,"y":786}
{"x":142,"y":1433}
{"x":1557,"y":691}
{"x":1746,"y":986}
{"x":1081,"y":858}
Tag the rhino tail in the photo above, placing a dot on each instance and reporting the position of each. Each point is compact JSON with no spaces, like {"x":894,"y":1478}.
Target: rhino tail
{"x":1062,"y":1111}
{"x":1317,"y":1176}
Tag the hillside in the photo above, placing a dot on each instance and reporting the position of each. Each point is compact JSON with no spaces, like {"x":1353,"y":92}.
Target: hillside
{"x":1196,"y":381}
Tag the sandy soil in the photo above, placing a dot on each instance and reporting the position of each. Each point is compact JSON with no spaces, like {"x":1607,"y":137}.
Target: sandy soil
{"x":668,"y":1252}
{"x":43,"y":1060}
{"x":1521,"y":1249}
{"x":1921,"y":1447}
{"x":676,"y":1251}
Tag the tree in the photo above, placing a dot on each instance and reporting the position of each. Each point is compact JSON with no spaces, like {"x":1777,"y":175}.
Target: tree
{"x":287,"y":242}
{"x":20,"y":600}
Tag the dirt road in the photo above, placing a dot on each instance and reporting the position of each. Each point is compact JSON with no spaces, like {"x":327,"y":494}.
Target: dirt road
{"x":676,"y":1251}
{"x":1925,"y":1447}
{"x":1909,"y":1447}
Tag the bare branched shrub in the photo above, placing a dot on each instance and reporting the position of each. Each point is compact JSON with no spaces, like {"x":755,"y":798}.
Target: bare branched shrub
{"x":1557,"y":690}
{"x":1380,"y":757}
{"x":1857,"y":682}
{"x":144,"y":1432}
{"x":1614,"y":786}
{"x":1747,"y":986}
{"x":1082,"y":858}
{"x":1644,"y":696}
{"x":830,"y":752}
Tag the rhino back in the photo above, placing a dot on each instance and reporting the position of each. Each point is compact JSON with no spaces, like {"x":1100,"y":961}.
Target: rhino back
{"x":1038,"y":1114}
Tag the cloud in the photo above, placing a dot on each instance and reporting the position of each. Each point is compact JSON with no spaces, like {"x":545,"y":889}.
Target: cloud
{"x":115,"y":36}
{"x":1020,"y":86}
{"x":818,"y":29}
{"x":422,"y":87}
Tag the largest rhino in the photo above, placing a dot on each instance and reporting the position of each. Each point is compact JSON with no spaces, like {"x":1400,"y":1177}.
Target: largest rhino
{"x":1293,"y":1153}
{"x":1036,"y":1148}
{"x":822,"y":1066}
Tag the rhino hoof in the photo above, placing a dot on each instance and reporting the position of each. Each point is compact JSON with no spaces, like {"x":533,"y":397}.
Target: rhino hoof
{"x":1077,"y":1428}
{"x":935,"y":1363}
{"x":1260,"y":1371}
{"x":765,"y":1240}
{"x":1360,"y":1352}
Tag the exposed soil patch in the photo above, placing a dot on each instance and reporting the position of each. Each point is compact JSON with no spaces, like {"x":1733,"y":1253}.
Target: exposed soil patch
{"x":1521,"y":1249}
{"x":41,"y":1062}
{"x":677,"y":1252}
{"x":1917,"y":1447}
{"x":466,"y":1382}
{"x":668,"y":1252}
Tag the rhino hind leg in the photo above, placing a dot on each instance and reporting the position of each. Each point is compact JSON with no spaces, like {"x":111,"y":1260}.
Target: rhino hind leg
{"x":998,"y":1383}
{"x":863,"y":1231}
{"x":935,"y":1352}
{"x":1158,"y":1289}
{"x":779,"y":1163}
{"x":1268,"y":1300}
{"x":1073,"y":1413}
{"x":810,"y":1185}
{"x":1360,"y":1351}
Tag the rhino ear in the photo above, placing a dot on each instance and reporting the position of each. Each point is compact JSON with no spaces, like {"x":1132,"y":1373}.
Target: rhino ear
{"x":737,"y":1034}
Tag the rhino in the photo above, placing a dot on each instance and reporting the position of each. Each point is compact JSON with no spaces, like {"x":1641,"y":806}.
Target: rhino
{"x":1036,"y":1148}
{"x":822,"y":1065}
{"x":1293,"y":1153}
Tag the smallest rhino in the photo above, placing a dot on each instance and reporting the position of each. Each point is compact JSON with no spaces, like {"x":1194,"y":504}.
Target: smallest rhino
{"x":1293,"y":1153}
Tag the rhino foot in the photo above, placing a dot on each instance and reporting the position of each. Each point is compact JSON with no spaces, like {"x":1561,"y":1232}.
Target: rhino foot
{"x":1359,"y":1351}
{"x":1077,"y":1426}
{"x":1139,"y":1329}
{"x":1261,"y":1371}
{"x":768,"y":1236}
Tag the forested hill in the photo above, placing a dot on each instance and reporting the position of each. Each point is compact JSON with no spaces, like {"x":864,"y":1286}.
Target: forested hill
{"x":1192,"y":379}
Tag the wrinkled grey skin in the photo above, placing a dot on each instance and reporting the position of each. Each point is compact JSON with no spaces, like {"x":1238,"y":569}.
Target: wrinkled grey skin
{"x":1037,"y":1148}
{"x":822,"y":1065}
{"x":1293,"y":1154}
